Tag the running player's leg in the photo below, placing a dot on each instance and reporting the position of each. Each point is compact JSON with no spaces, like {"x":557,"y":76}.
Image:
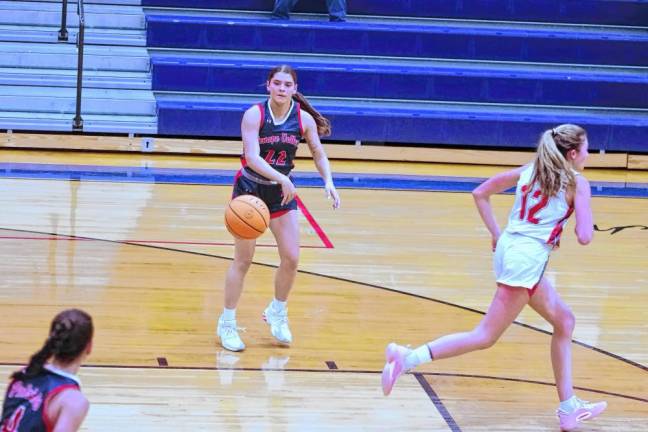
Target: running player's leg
{"x":505,"y":307}
{"x":551,"y":307}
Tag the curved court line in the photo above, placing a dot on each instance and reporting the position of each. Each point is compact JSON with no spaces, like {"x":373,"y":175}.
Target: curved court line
{"x":345,"y":371}
{"x":341,"y":279}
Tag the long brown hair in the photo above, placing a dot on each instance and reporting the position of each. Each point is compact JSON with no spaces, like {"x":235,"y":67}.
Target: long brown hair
{"x":323,"y":124}
{"x":551,"y":169}
{"x":70,"y":333}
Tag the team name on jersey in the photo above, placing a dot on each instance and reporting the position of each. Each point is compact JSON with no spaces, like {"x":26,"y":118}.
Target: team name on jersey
{"x":283,"y":137}
{"x":28,"y":392}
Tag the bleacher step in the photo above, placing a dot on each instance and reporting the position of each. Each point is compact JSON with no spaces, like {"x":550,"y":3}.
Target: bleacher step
{"x":63,"y":100}
{"x":49,"y":14}
{"x":623,"y":12}
{"x":423,"y":41}
{"x":30,"y":121}
{"x":68,"y":78}
{"x":93,"y":36}
{"x":64,"y":56}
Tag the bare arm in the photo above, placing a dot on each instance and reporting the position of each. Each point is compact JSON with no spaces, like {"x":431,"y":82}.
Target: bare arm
{"x":319,"y":157}
{"x":482,"y":193}
{"x":250,"y":134}
{"x":69,"y":409}
{"x":584,"y":220}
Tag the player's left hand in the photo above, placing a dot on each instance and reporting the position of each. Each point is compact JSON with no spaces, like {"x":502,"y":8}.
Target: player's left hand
{"x":332,"y":194}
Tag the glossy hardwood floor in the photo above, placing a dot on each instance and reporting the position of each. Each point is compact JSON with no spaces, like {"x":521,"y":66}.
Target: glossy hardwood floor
{"x":147,"y":260}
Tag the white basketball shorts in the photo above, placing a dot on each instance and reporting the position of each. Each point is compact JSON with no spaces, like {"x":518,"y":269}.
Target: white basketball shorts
{"x":519,"y":260}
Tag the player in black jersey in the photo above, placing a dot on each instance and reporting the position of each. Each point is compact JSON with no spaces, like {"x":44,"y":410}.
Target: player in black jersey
{"x":271,"y":132}
{"x":47,"y":396}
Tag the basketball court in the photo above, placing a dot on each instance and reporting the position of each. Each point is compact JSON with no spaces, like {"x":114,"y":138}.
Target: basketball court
{"x":139,"y":242}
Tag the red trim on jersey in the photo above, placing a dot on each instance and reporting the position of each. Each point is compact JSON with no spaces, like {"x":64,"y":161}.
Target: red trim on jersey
{"x":236,"y":177}
{"x":555,"y":233}
{"x":301,"y":126}
{"x":48,"y":425}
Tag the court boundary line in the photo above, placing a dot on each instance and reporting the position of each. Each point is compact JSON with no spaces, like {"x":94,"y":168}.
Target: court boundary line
{"x":344,"y":371}
{"x":341,"y":279}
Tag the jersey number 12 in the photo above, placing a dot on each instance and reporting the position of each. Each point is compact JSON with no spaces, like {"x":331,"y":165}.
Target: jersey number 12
{"x":530,"y":216}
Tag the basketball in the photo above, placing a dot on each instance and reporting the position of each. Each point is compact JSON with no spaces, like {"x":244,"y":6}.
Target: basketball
{"x":247,"y":217}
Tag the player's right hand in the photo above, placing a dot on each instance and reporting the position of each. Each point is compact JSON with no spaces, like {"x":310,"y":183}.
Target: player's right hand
{"x":288,"y":190}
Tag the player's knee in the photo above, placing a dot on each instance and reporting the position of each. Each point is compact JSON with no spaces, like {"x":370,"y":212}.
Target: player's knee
{"x":565,"y":322}
{"x":290,"y":260}
{"x":242,"y":265}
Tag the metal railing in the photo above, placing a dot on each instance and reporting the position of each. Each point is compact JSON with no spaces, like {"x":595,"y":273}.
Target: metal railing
{"x":77,"y":123}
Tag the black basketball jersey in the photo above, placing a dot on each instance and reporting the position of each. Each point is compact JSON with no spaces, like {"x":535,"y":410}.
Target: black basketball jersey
{"x":26,"y":400}
{"x":278,"y":142}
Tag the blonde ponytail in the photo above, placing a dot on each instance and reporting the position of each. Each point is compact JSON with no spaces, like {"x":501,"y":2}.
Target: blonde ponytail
{"x":552,"y":171}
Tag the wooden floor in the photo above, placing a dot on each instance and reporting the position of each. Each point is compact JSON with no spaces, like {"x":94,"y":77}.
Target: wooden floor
{"x":147,"y":260}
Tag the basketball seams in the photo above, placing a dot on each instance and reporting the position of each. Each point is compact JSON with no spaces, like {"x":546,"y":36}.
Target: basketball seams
{"x":258,"y":212}
{"x":242,"y":219}
{"x":244,"y":223}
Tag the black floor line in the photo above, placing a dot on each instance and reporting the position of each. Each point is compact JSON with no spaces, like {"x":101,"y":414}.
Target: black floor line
{"x":450,"y":421}
{"x":593,"y":348}
{"x":342,"y":371}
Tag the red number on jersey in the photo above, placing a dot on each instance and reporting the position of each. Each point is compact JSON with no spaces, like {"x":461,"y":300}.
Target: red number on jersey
{"x":13,"y":422}
{"x":536,"y":208}
{"x":280,"y":160}
{"x":270,"y":157}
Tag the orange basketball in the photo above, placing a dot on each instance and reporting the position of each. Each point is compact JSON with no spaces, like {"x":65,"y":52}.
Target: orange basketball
{"x":247,"y":217}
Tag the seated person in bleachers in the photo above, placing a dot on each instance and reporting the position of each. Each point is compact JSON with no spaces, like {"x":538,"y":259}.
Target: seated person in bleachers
{"x":336,"y":9}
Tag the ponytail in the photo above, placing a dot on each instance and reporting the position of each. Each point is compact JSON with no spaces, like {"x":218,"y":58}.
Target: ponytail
{"x":323,"y":124}
{"x":36,"y":362}
{"x":70,"y":333}
{"x":551,"y":169}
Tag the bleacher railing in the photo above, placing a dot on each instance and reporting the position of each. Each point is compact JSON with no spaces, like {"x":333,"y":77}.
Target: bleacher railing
{"x":77,"y":123}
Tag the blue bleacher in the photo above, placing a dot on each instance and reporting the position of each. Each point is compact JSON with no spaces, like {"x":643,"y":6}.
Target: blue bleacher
{"x":409,"y":80}
{"x":609,"y":12}
{"x":624,"y":47}
{"x":487,"y":83}
{"x":434,"y":125}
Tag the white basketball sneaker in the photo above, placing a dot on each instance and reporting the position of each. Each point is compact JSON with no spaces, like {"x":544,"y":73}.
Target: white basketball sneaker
{"x":585,"y":411}
{"x":278,"y":321}
{"x":228,"y":333}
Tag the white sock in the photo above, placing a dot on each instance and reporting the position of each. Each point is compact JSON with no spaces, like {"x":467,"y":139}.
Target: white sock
{"x":229,"y":314}
{"x":417,"y":357}
{"x":279,"y":306}
{"x":569,"y":405}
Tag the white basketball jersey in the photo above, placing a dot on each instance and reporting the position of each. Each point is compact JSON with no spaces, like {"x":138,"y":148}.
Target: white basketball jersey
{"x":535,"y":215}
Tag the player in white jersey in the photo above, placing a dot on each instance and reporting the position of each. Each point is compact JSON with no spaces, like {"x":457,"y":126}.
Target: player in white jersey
{"x":548,"y":191}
